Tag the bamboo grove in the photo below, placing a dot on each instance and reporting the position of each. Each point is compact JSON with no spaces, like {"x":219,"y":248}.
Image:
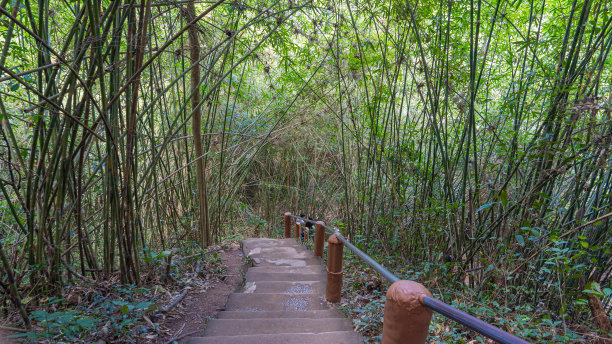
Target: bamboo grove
{"x":475,"y":130}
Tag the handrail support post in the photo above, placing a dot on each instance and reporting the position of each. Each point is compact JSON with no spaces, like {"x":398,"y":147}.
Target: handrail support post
{"x":406,"y":319}
{"x":298,"y":231}
{"x":287,"y":222}
{"x":334,"y":269}
{"x":319,"y":238}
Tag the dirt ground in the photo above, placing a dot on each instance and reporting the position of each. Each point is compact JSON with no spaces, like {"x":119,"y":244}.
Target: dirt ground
{"x":190,"y":317}
{"x":4,"y":336}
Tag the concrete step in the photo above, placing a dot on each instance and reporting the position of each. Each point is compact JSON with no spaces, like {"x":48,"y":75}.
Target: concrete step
{"x":282,"y":301}
{"x":310,"y":269}
{"x":285,"y":287}
{"x":274,"y":302}
{"x":338,"y":337}
{"x":253,"y":243}
{"x":287,"y":252}
{"x":237,"y":327}
{"x":250,"y":250}
{"x":294,"y":262}
{"x":254,"y":276}
{"x":269,"y":242}
{"x":320,"y":314}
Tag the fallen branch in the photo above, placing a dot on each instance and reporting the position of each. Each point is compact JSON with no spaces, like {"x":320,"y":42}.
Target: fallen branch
{"x":13,"y":329}
{"x":201,"y":253}
{"x":560,"y":237}
{"x":176,"y":301}
{"x":183,"y":336}
{"x":76,"y":274}
{"x":475,"y":269}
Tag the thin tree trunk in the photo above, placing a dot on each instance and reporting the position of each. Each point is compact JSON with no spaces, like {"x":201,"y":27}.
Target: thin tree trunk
{"x":12,"y":287}
{"x":196,"y":127}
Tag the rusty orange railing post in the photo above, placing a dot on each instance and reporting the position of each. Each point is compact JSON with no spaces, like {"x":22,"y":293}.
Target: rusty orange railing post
{"x":298,"y":230}
{"x":406,"y":319}
{"x":319,"y":238}
{"x":334,"y":269}
{"x":287,"y":220}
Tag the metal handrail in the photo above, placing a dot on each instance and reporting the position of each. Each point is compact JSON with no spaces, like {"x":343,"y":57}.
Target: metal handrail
{"x":469,"y":321}
{"x":367,"y":259}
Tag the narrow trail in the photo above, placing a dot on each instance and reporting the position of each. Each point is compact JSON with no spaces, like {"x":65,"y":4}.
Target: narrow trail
{"x":282,"y":301}
{"x":4,"y":337}
{"x":201,"y":305}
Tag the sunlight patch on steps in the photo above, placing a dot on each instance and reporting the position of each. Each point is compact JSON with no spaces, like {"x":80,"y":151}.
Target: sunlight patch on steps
{"x":250,"y":287}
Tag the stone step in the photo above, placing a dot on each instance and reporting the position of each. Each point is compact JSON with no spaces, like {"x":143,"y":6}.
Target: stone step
{"x":285,"y":287}
{"x":249,"y":247}
{"x":338,"y":337}
{"x":237,"y":327}
{"x":282,"y":301}
{"x":253,"y":243}
{"x":309,"y":269}
{"x":250,"y":251}
{"x":319,"y":314}
{"x":274,"y":302}
{"x":254,"y":276}
{"x":294,"y":262}
{"x":269,"y":242}
{"x":287,"y":252}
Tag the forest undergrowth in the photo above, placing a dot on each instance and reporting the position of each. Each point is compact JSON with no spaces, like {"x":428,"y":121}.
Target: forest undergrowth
{"x":364,"y":298}
{"x":111,"y":312}
{"x":464,"y":143}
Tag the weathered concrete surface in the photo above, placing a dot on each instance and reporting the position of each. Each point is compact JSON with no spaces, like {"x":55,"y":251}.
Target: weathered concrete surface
{"x":309,"y":269}
{"x":249,"y":244}
{"x":292,"y":262}
{"x":274,"y":302}
{"x":286,"y":287}
{"x":284,"y":252}
{"x":282,"y":301}
{"x":319,"y":314}
{"x":256,"y":276}
{"x":337,"y":337}
{"x":236,"y":327}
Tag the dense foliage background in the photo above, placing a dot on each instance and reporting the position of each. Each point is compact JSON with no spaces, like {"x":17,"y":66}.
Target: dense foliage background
{"x":464,"y":143}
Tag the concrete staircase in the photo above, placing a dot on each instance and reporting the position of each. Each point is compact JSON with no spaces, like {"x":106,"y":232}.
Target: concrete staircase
{"x":282,"y":301}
